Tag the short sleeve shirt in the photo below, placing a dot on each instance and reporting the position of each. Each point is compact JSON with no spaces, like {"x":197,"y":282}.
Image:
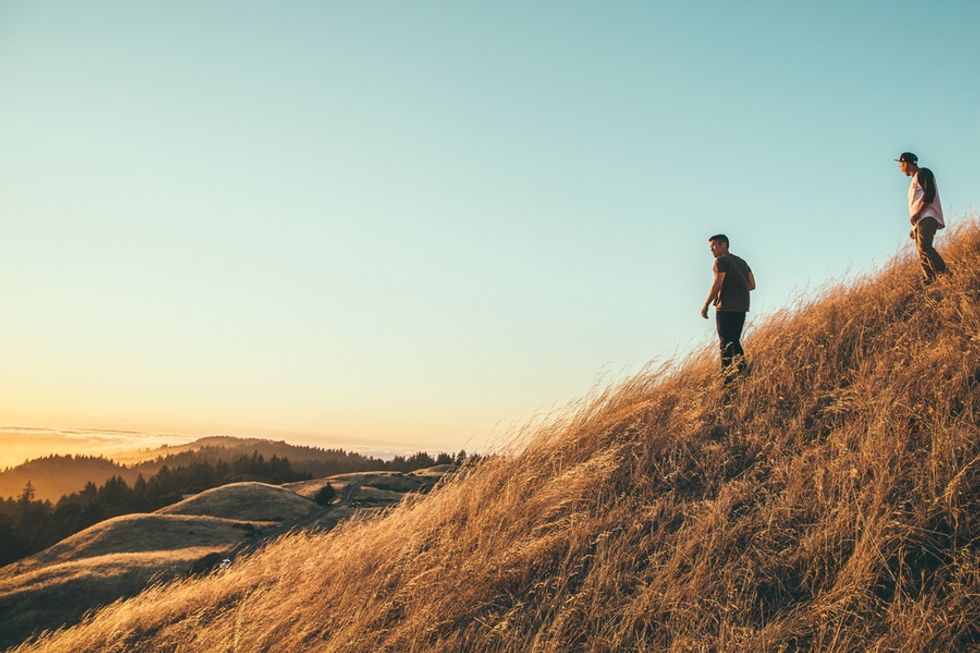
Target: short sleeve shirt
{"x":734,"y":295}
{"x":924,"y":196}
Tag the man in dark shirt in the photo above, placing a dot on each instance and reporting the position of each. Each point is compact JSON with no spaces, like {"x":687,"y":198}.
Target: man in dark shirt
{"x":730,"y":294}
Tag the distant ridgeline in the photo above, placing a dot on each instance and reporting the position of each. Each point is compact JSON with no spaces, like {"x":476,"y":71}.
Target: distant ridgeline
{"x":30,"y":522}
{"x":55,"y":476}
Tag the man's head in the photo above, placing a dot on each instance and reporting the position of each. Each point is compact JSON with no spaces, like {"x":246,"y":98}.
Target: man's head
{"x":718,"y":244}
{"x":908,"y":163}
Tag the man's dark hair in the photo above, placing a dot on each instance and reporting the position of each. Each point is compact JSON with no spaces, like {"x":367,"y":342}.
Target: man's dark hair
{"x":721,"y":238}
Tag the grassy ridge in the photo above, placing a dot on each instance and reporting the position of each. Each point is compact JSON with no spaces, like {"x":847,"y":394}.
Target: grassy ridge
{"x":829,"y":503}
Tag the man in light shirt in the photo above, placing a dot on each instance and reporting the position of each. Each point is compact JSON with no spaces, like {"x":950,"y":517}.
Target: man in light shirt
{"x":925,"y":213}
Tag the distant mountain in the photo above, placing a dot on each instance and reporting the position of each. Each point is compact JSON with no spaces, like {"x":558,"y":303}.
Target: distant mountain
{"x":225,"y":447}
{"x":314,"y":460}
{"x":134,"y":458}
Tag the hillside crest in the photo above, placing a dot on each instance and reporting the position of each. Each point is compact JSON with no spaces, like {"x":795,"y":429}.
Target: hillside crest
{"x":828,"y":503}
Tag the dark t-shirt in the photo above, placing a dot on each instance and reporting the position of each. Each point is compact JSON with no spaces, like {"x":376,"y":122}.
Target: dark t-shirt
{"x":734,"y":295}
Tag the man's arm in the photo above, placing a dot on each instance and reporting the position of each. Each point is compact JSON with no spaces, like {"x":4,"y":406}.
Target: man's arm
{"x":715,"y":290}
{"x":751,"y":280}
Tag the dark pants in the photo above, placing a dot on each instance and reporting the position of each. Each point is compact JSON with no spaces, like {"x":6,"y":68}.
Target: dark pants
{"x":932,"y":262}
{"x":730,"y":325}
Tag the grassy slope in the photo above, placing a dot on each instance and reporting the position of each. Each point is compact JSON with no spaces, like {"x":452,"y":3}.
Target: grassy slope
{"x":420,"y":480}
{"x":113,"y":559}
{"x":832,"y":505}
{"x":248,"y":501}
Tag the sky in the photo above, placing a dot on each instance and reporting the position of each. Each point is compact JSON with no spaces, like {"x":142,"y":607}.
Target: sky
{"x":422,"y":224}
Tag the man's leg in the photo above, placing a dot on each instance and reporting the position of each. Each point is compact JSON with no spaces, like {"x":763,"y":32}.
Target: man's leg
{"x":729,"y":335}
{"x":932,"y":262}
{"x":737,"y":324}
{"x":723,"y":341}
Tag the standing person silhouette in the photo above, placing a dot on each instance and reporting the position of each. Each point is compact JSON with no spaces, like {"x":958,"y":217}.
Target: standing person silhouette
{"x":733,"y":280}
{"x":925,"y":213}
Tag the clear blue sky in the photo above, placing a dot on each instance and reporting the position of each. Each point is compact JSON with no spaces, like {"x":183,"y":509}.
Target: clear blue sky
{"x":420,"y":223}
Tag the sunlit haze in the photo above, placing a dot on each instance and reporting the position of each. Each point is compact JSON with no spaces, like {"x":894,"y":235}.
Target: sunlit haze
{"x":407,"y":226}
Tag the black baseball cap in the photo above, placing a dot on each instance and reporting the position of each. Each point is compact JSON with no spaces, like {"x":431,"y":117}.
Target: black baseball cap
{"x":907,"y":157}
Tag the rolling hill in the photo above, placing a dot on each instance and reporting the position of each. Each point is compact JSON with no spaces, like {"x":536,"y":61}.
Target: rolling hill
{"x":828,"y":502}
{"x":252,"y":501}
{"x":113,"y":559}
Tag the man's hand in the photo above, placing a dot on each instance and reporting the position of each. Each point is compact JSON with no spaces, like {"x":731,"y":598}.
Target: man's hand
{"x":704,"y":311}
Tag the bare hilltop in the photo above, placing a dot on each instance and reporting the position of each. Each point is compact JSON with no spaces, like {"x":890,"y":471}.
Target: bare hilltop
{"x":829,"y":502}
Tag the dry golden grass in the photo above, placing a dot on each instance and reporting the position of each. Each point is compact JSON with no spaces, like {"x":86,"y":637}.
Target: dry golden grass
{"x":830,"y":505}
{"x":246,"y":501}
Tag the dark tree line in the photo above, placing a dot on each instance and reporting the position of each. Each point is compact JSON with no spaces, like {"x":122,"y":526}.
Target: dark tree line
{"x":359,"y":463}
{"x":316,"y":461}
{"x":28,"y":525}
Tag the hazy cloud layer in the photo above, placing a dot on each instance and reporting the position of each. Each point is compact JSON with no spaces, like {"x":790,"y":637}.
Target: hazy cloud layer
{"x":18,"y":444}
